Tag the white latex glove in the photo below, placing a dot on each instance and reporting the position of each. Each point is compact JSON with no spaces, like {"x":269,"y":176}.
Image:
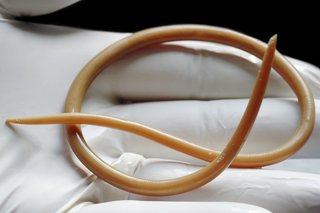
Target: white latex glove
{"x":38,"y":63}
{"x":32,"y":7}
{"x":159,"y":207}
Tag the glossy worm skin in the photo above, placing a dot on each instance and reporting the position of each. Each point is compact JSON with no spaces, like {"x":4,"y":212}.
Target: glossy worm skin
{"x":218,"y":161}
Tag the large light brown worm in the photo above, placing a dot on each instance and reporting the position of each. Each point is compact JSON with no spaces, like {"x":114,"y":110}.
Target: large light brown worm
{"x":218,"y":161}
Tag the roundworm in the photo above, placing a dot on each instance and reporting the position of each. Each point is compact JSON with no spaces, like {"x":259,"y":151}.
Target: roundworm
{"x":218,"y":160}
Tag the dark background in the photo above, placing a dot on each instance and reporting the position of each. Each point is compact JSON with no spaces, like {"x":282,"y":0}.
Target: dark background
{"x":297,"y":24}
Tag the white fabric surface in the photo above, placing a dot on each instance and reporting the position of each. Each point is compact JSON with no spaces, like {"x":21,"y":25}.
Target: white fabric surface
{"x":38,"y":63}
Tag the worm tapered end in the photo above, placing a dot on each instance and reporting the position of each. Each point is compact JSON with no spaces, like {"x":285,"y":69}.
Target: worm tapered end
{"x":63,"y":118}
{"x":273,"y":42}
{"x":13,"y":120}
{"x":52,"y":119}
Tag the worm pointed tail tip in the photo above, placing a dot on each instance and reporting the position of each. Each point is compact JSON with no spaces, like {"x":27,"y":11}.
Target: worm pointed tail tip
{"x":273,"y":41}
{"x":12,"y":121}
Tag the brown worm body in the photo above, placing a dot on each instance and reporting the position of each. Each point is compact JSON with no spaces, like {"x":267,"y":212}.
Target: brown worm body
{"x":218,"y":161}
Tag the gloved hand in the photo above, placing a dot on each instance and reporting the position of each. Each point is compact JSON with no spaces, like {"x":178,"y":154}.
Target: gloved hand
{"x":196,"y":91}
{"x":32,"y":7}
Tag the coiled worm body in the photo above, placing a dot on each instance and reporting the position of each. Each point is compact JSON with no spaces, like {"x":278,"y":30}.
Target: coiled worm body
{"x":218,"y":161}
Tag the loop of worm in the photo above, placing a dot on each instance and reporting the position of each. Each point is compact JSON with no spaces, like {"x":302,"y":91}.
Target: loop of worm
{"x":218,"y":160}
